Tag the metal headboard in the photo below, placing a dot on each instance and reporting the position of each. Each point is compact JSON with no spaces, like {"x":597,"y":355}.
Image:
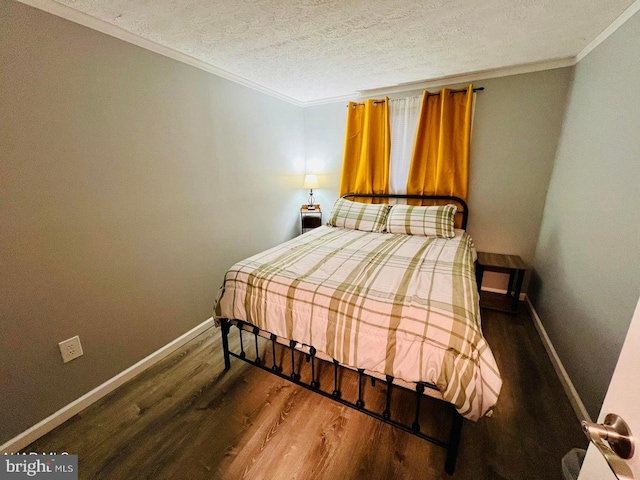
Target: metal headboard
{"x":461,"y":204}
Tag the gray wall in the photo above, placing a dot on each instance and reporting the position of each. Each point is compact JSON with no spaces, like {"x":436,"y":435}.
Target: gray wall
{"x":129,"y":184}
{"x":587,"y":263}
{"x":324,"y":129}
{"x":515,"y":134}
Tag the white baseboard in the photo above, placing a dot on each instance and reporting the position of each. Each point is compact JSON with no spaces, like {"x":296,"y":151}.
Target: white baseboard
{"x":52,"y":421}
{"x":567,"y":384}
{"x":570,"y":390}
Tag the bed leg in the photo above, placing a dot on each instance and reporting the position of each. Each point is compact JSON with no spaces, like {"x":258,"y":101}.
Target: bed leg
{"x":292,"y":345}
{"x":336,"y":391}
{"x":419,"y":392}
{"x":275,"y":368}
{"x":256,"y":331}
{"x":360,"y":401}
{"x":240,"y":324}
{"x":454,"y":442}
{"x":387,"y":409}
{"x":225,"y":326}
{"x":314,"y":383}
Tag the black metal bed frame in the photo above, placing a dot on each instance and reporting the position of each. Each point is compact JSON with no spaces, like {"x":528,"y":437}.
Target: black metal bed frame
{"x":451,"y":445}
{"x":461,"y":203}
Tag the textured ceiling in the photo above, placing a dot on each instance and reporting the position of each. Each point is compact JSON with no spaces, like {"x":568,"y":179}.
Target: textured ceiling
{"x":313,"y":50}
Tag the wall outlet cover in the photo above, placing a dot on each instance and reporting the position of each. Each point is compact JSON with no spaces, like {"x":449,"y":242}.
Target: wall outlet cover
{"x":70,"y":349}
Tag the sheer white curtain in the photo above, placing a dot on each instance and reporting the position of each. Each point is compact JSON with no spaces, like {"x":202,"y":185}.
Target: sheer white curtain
{"x":403,"y":120}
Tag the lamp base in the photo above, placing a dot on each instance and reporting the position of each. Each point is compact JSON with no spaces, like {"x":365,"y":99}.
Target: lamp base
{"x":311,"y":207}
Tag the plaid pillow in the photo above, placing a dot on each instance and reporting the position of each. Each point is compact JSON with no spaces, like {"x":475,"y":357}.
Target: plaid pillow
{"x":359,"y":216}
{"x":427,"y":221}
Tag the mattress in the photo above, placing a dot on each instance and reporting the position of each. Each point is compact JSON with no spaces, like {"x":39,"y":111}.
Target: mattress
{"x":399,"y":305}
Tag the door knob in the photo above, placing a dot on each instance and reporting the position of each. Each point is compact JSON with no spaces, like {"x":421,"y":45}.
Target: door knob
{"x":614,"y":440}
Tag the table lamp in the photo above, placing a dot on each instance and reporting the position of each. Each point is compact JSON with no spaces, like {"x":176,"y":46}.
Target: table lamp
{"x":311,"y":182}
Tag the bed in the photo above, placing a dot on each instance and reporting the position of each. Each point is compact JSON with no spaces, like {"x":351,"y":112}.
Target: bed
{"x":388,"y":291}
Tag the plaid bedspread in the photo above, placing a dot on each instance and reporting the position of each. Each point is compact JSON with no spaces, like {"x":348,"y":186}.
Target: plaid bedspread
{"x":400,"y":305}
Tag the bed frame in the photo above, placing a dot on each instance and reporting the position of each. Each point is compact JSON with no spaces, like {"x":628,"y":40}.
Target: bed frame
{"x":460,"y":203}
{"x":450,"y":445}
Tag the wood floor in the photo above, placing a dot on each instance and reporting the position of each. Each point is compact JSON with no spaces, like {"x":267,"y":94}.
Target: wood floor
{"x":185,"y":418}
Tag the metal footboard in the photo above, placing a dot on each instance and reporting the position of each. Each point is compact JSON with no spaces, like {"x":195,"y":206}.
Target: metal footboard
{"x":250,"y":353}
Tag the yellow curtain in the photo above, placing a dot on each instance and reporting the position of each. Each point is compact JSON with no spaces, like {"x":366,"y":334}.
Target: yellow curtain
{"x":365,"y":167}
{"x":440,"y":161}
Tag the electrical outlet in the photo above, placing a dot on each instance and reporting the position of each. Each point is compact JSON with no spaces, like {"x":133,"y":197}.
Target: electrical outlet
{"x":70,"y":349}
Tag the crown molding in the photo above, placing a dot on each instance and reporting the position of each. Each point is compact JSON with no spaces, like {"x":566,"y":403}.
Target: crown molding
{"x":607,"y":32}
{"x":59,"y":10}
{"x":93,"y":23}
{"x":325,"y":101}
{"x":470,"y":77}
{"x":450,"y":80}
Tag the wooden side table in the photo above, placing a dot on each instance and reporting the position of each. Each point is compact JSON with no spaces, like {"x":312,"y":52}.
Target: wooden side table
{"x":510,"y":264}
{"x":310,"y":219}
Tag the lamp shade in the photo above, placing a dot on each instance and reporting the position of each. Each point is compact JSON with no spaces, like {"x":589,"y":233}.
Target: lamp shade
{"x":311,"y":181}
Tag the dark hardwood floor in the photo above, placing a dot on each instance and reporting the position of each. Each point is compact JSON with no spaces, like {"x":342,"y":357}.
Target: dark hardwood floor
{"x":185,"y":418}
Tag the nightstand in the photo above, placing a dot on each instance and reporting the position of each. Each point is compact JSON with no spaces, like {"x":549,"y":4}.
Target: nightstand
{"x":310,"y":219}
{"x":512,"y":265}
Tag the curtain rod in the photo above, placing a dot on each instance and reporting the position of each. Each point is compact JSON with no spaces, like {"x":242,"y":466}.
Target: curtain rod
{"x":464,"y":90}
